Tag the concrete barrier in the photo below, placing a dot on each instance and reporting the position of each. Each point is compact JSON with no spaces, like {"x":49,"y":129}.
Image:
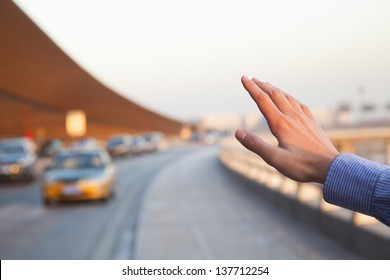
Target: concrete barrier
{"x":304,"y":201}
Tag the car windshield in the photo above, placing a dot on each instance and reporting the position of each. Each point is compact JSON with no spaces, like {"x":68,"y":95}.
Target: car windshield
{"x":11,"y":149}
{"x":138,"y":140}
{"x":115,"y":142}
{"x":79,"y":161}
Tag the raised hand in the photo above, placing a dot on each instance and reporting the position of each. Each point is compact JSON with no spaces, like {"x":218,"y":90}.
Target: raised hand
{"x":304,"y":152}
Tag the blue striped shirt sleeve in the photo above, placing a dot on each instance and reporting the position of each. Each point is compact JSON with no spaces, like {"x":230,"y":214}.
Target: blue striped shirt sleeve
{"x":360,"y":185}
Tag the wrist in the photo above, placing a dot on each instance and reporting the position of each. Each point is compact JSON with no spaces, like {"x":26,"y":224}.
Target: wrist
{"x":322,"y":166}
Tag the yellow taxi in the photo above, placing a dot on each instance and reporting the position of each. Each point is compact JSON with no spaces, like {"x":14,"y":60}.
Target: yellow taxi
{"x":79,"y":175}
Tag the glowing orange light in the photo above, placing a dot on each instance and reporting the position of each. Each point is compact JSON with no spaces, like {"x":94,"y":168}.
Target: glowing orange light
{"x":76,"y":123}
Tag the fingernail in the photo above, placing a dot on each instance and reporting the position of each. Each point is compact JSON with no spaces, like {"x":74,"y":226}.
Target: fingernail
{"x":244,"y":78}
{"x":240,"y":134}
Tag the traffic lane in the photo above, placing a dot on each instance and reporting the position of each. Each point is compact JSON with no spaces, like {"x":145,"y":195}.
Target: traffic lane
{"x":85,"y":230}
{"x":197,"y":209}
{"x":12,"y":191}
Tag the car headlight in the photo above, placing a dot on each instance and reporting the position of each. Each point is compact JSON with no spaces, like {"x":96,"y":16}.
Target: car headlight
{"x":14,"y":168}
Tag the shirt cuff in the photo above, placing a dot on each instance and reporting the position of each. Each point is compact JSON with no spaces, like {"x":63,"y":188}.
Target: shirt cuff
{"x":351,"y":181}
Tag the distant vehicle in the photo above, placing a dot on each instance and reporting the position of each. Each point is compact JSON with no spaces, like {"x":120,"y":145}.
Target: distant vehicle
{"x":138,"y":145}
{"x":87,"y":143}
{"x":208,"y":137}
{"x":212,"y":137}
{"x":197,"y":136}
{"x":50,"y":147}
{"x":17,"y":159}
{"x":79,"y":175}
{"x":154,"y":141}
{"x":119,"y":145}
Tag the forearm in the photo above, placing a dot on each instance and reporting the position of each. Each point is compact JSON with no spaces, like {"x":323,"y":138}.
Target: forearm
{"x":359,"y":185}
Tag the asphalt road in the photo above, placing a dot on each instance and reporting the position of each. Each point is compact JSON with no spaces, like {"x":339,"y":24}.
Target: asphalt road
{"x":77,"y":230}
{"x":158,"y":197}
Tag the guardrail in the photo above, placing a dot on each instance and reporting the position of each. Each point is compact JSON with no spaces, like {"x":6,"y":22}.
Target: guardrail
{"x":362,"y":233}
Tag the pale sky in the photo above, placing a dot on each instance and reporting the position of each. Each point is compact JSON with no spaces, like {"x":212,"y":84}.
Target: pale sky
{"x":185,"y":58}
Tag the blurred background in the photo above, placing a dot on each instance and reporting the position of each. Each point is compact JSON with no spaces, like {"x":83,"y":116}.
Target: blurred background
{"x":117,"y":122}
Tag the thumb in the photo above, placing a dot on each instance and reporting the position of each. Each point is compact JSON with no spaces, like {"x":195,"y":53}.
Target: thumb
{"x":267,"y":152}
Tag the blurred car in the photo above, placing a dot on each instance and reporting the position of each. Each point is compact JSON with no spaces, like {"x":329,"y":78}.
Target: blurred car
{"x":17,"y":159}
{"x":79,"y":175}
{"x":154,"y":141}
{"x":138,"y":145}
{"x":197,"y":136}
{"x":119,"y":145}
{"x":50,"y":147}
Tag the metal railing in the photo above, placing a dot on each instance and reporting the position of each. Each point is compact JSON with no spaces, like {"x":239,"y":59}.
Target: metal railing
{"x":248,"y":164}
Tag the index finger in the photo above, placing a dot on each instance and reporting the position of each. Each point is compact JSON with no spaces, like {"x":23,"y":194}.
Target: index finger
{"x":263,"y":101}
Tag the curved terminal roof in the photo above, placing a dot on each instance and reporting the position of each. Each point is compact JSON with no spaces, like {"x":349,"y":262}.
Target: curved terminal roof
{"x":39,"y":84}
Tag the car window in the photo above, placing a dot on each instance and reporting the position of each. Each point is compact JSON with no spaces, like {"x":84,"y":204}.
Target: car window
{"x":8,"y":149}
{"x":115,"y":142}
{"x":79,"y":161}
{"x":138,"y":140}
